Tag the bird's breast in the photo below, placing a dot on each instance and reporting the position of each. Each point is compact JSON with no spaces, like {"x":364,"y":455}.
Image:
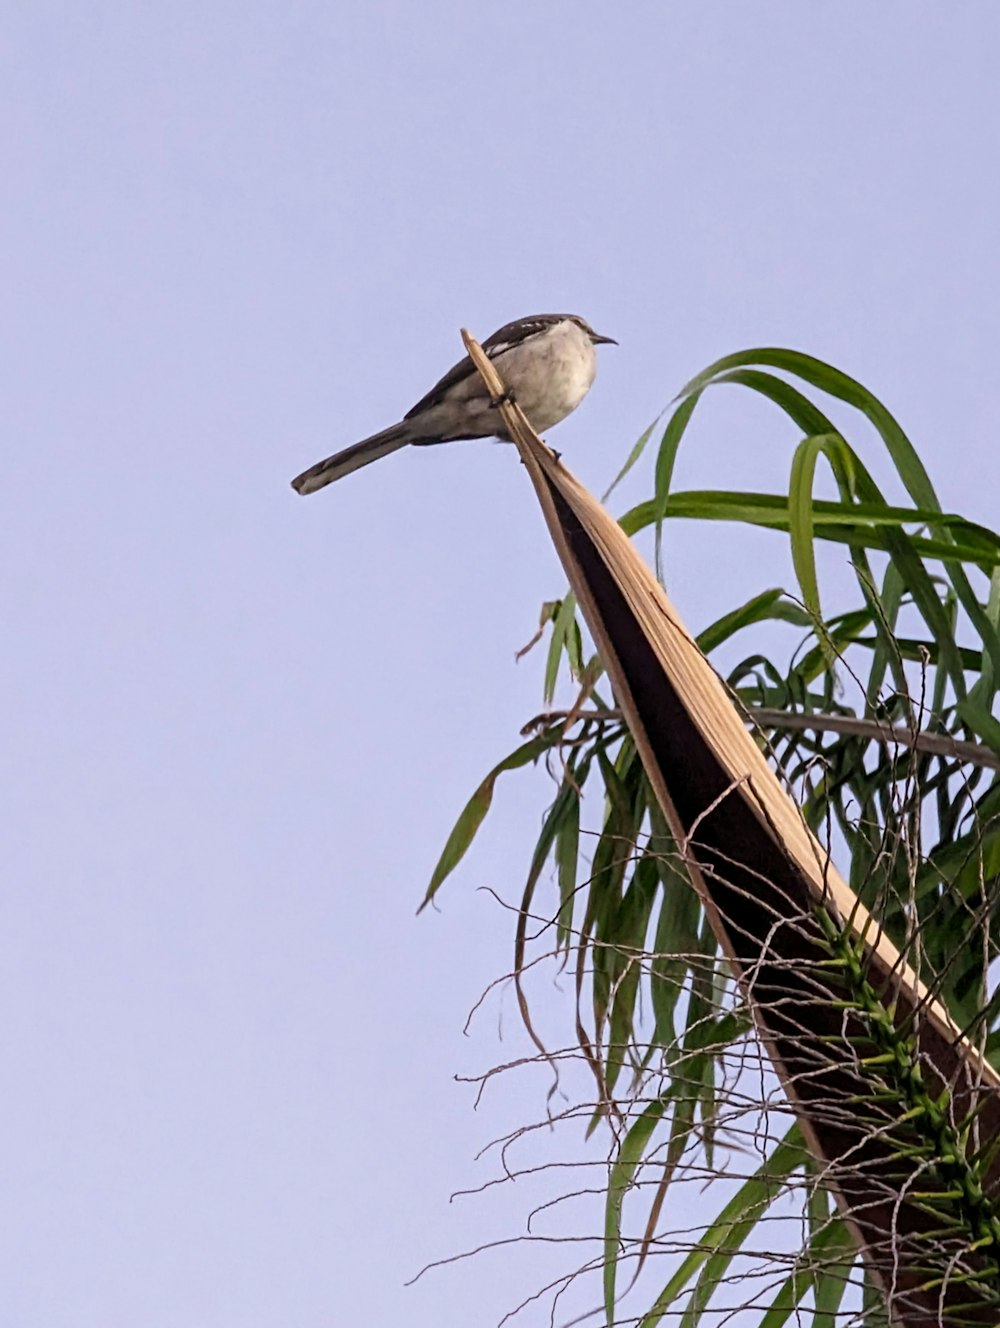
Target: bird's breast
{"x":550,"y":377}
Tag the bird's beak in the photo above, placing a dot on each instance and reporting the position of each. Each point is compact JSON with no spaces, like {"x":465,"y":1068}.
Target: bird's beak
{"x":602,"y":341}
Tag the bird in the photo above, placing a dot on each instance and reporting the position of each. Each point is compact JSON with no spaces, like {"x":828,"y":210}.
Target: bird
{"x":547,"y":363}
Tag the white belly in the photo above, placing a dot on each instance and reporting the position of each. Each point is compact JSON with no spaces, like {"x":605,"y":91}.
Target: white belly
{"x":550,"y":380}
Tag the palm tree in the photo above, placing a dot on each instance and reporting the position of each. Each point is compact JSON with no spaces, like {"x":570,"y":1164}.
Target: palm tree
{"x":710,"y":930}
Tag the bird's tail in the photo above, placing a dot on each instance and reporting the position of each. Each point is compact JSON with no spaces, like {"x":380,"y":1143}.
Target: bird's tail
{"x":353,"y":458}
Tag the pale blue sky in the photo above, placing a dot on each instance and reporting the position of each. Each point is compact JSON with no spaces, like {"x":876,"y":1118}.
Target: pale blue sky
{"x":238,"y":725}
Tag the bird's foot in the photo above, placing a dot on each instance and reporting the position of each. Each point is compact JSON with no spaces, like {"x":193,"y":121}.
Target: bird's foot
{"x":506,"y":398}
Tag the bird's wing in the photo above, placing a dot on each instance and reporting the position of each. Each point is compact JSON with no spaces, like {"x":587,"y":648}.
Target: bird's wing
{"x":511,"y":334}
{"x":440,"y":389}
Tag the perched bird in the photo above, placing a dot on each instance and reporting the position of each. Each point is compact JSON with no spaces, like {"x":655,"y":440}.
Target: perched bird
{"x":547,"y":363}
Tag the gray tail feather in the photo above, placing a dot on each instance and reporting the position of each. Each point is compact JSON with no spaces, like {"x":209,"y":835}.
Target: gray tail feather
{"x":353,"y":458}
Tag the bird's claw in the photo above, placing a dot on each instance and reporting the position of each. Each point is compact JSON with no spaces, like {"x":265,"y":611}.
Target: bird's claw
{"x":506,"y":398}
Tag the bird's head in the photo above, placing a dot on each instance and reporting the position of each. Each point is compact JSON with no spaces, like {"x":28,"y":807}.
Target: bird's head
{"x":595,"y":337}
